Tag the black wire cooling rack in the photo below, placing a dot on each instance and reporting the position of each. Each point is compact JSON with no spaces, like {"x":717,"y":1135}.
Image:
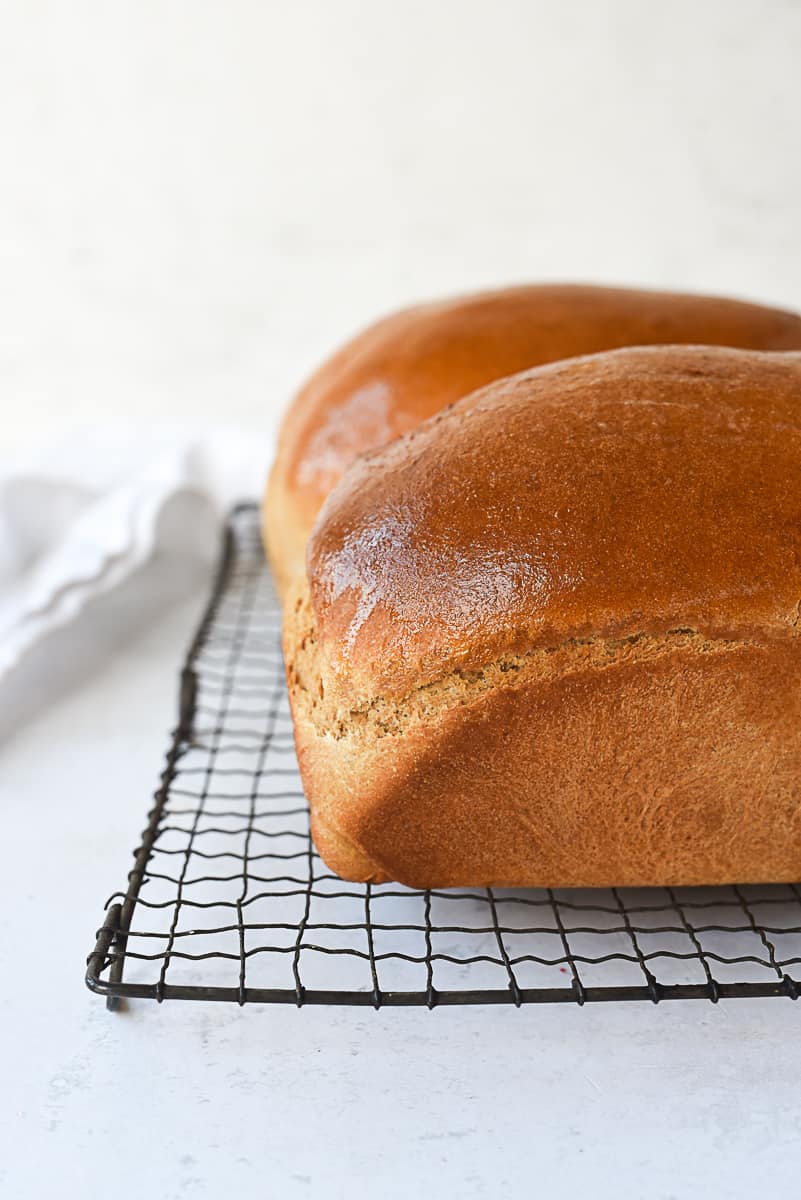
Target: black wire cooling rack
{"x":228,"y":899}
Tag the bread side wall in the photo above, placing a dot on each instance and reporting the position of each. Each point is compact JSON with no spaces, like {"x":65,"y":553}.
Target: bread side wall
{"x":653,"y":761}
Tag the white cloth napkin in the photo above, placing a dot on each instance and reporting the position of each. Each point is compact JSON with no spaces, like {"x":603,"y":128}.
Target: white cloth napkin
{"x":79,"y":520}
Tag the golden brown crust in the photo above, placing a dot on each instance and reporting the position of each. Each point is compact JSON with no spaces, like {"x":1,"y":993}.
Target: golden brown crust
{"x":678,"y":766}
{"x":635,"y":491}
{"x":627,"y":713}
{"x":411,"y":365}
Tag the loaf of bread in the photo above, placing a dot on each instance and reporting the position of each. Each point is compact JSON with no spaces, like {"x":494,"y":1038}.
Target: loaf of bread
{"x":551,"y":637}
{"x":410,"y":366}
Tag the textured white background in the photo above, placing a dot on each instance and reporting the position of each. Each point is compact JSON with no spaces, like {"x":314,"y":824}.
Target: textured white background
{"x":197,"y":200}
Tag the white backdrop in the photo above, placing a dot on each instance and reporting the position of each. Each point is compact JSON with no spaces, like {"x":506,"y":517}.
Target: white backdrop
{"x":199,"y":199}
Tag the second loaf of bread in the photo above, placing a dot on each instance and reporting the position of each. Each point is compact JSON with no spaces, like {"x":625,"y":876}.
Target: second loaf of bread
{"x":551,"y":637}
{"x":408,"y":367}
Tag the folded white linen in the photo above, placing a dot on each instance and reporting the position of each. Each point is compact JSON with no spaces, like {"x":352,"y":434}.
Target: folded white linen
{"x":80,"y":519}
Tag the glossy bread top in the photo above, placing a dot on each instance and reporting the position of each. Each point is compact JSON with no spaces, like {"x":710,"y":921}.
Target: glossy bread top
{"x":636,"y":491}
{"x":409,"y":366}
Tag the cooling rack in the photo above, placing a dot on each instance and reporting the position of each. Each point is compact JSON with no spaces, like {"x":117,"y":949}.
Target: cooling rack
{"x":229,"y":901}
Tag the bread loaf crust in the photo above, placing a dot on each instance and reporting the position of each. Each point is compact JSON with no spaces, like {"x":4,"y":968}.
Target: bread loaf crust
{"x":629,"y":715}
{"x":411,"y":365}
{"x":677,"y":767}
{"x":631,"y":492}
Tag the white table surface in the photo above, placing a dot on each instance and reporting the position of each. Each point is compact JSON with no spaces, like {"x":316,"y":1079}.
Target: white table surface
{"x":187,"y":1100}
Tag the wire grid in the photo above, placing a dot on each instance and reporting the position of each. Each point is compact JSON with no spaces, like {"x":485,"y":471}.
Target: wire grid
{"x":228,"y":899}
